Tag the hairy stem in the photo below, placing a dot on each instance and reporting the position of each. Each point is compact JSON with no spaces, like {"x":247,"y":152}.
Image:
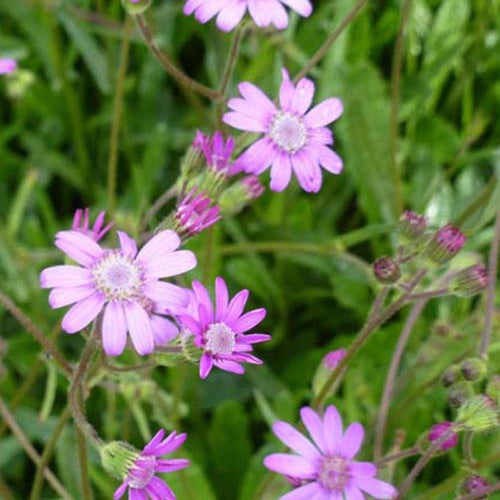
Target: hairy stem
{"x":395,"y":457}
{"x":83,"y":462}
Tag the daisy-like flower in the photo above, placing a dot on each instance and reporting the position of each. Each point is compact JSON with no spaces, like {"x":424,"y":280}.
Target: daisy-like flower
{"x":326,"y":467}
{"x":294,"y":138}
{"x":220,"y":332}
{"x":217,"y":151}
{"x":97,"y":231}
{"x":195,"y":213}
{"x":141,"y":480}
{"x":7,"y":66}
{"x":230,"y":12}
{"x":123,"y":283}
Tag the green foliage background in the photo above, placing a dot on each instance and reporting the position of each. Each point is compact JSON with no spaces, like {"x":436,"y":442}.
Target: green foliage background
{"x":306,"y":258}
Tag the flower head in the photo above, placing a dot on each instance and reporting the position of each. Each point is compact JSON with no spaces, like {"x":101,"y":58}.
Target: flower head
{"x":294,"y":139}
{"x":386,"y":270}
{"x":470,"y":281}
{"x":220,"y":331}
{"x":97,"y":231}
{"x":445,"y":244}
{"x":217,"y":151}
{"x":326,"y":466}
{"x":7,"y":66}
{"x":140,"y":476}
{"x":230,"y":12}
{"x":412,"y":225}
{"x":195,"y":213}
{"x":124,"y":284}
{"x":439,"y":430}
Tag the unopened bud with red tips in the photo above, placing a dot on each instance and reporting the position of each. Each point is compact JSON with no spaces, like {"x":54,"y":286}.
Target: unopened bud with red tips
{"x":412,"y":227}
{"x":333,"y":358}
{"x":328,"y":364}
{"x":474,"y":485}
{"x":445,"y":244}
{"x":253,"y":186}
{"x":240,"y":194}
{"x":473,"y":369}
{"x":478,"y":414}
{"x":437,"y":431}
{"x":386,"y":270}
{"x":470,"y":281}
{"x":136,"y":6}
{"x":450,"y":376}
{"x":458,"y":394}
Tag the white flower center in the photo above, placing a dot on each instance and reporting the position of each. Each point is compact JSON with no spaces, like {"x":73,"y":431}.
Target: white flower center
{"x":288,"y":132}
{"x":220,"y":339}
{"x":117,"y":276}
{"x":140,"y":475}
{"x":333,"y":473}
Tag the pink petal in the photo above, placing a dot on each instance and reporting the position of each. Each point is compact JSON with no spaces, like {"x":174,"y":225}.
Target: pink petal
{"x":139,"y":327}
{"x":82,"y":313}
{"x":291,"y":465}
{"x":78,"y":246}
{"x":281,"y":172}
{"x":243,"y":122}
{"x":295,"y":440}
{"x":190,"y":323}
{"x":249,"y":320}
{"x":329,"y":160}
{"x":191,"y":5}
{"x":362,"y":469}
{"x":279,"y":16}
{"x":303,"y":7}
{"x":114,"y":329}
{"x":207,"y":10}
{"x":352,"y":440}
{"x":252,"y":93}
{"x":159,"y":488}
{"x":324,"y":113}
{"x":307,"y":171}
{"x":311,"y":491}
{"x":320,"y":136}
{"x":221,"y":298}
{"x":302,"y":96}
{"x":206,"y":364}
{"x":170,"y":264}
{"x":260,"y":12}
{"x":258,"y":157}
{"x":204,"y":299}
{"x":376,"y":488}
{"x":229,"y":366}
{"x":135,"y":494}
{"x":127,"y":244}
{"x":153,"y":443}
{"x":162,"y":243}
{"x":172,"y":464}
{"x":352,"y":493}
{"x":60,"y":297}
{"x":236,"y":307}
{"x":249,"y":109}
{"x":65,"y":277}
{"x":170,"y":444}
{"x":164,"y":331}
{"x":332,"y":425}
{"x":254,"y":338}
{"x":230,"y":15}
{"x":286,"y":91}
{"x":165,"y":294}
{"x":314,"y":426}
{"x":120,"y":491}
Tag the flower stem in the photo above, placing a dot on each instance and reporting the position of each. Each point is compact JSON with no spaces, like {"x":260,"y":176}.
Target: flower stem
{"x":395,"y":457}
{"x":168,"y":65}
{"x":321,"y":52}
{"x":467,"y":448}
{"x":429,"y":294}
{"x":490,"y":300}
{"x":83,"y":461}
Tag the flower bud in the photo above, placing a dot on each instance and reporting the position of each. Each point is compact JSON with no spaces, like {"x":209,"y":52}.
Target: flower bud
{"x":473,"y":369}
{"x":253,"y":186}
{"x":386,"y":270}
{"x":445,"y":244}
{"x":474,"y":484}
{"x":118,"y":458}
{"x":333,"y":358}
{"x":412,"y":226}
{"x":478,"y":413}
{"x":450,"y":376}
{"x":439,"y":430}
{"x":136,"y":6}
{"x":240,"y":194}
{"x":470,"y":281}
{"x":329,"y":362}
{"x":458,"y":394}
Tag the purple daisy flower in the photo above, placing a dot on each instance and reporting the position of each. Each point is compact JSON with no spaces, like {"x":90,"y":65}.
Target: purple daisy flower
{"x":216,"y":151}
{"x":294,"y":139}
{"x":230,"y":12}
{"x":326,"y":467}
{"x":97,"y":231}
{"x":122,"y":282}
{"x":141,"y":479}
{"x":7,"y":66}
{"x":220,"y":332}
{"x":195,"y":213}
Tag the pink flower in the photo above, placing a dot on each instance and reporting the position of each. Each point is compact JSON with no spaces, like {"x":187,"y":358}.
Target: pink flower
{"x":216,"y":151}
{"x":230,"y":12}
{"x":123,"y":283}
{"x":325,"y":466}
{"x":220,"y":332}
{"x":141,"y":479}
{"x":97,"y":231}
{"x":7,"y":66}
{"x":439,"y":430}
{"x":195,"y":213}
{"x":294,"y":139}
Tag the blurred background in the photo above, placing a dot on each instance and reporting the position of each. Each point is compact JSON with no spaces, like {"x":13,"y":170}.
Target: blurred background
{"x":306,"y":258}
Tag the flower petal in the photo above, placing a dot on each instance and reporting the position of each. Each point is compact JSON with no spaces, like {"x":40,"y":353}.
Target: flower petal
{"x":166,"y":295}
{"x":206,"y":364}
{"x":78,"y":246}
{"x":230,"y":15}
{"x":164,"y":331}
{"x":376,"y":488}
{"x":229,"y":366}
{"x":169,"y":264}
{"x":302,"y":96}
{"x":310,"y":491}
{"x":307,"y":170}
{"x":120,"y":491}
{"x":207,"y":10}
{"x":295,"y":440}
{"x":203,"y":298}
{"x":127,"y":244}
{"x":291,"y":465}
{"x":279,"y":16}
{"x":260,"y":12}
{"x":82,"y":313}
{"x":324,"y":113}
{"x":65,"y":277}
{"x":314,"y":426}
{"x":114,"y":329}
{"x":252,"y":93}
{"x":172,"y":464}
{"x":303,"y":7}
{"x":249,"y":110}
{"x":60,"y":297}
{"x":249,"y":320}
{"x":329,"y":160}
{"x":243,"y":122}
{"x":352,"y":440}
{"x":236,"y":307}
{"x":363,"y":469}
{"x":352,"y":493}
{"x":281,"y":172}
{"x":160,"y":489}
{"x":139,"y":327}
{"x":221,"y":298}
{"x":332,"y":425}
{"x":162,"y":243}
{"x":258,"y":157}
{"x":286,"y":91}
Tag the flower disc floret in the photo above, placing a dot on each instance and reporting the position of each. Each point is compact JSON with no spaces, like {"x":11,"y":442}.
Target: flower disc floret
{"x":288,"y":132}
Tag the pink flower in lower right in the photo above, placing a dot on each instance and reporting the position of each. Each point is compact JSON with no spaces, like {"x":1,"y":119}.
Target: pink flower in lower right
{"x":325,"y":468}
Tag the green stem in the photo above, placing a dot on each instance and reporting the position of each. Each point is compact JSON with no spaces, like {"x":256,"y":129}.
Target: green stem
{"x":400,"y":455}
{"x":83,"y":461}
{"x":50,"y":394}
{"x":467,"y":448}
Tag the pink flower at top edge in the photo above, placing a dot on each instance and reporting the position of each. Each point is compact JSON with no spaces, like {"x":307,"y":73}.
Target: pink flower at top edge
{"x":124,"y":284}
{"x":295,"y":139}
{"x":217,"y":151}
{"x":141,"y":481}
{"x":326,"y":467}
{"x":230,"y":12}
{"x":97,"y":231}
{"x":7,"y":66}
{"x":220,"y":331}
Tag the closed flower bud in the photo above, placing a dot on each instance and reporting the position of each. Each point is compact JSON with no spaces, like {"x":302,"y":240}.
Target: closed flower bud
{"x":328,"y":364}
{"x":240,"y":194}
{"x":412,"y":226}
{"x":450,"y":376}
{"x":478,"y":413}
{"x":386,"y":270}
{"x":458,"y":394}
{"x":445,"y":244}
{"x":136,"y":6}
{"x":333,"y":358}
{"x":117,"y":458}
{"x":438,"y":430}
{"x":473,"y":369}
{"x":470,"y":281}
{"x":474,"y":484}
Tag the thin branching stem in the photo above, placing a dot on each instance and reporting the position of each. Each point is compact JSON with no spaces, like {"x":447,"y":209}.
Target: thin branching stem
{"x":395,"y":457}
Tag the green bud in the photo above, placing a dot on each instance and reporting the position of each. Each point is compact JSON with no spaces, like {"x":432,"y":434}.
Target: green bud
{"x":118,"y":458}
{"x":478,"y":414}
{"x":473,"y":369}
{"x":180,"y":351}
{"x":136,"y":6}
{"x":19,"y":82}
{"x":458,"y":394}
{"x":192,"y":164}
{"x":450,"y":376}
